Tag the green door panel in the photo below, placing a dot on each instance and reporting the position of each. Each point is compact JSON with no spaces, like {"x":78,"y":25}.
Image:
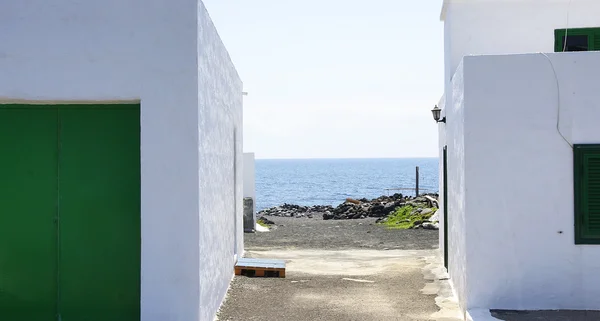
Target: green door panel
{"x":28,"y":196}
{"x":99,"y":182}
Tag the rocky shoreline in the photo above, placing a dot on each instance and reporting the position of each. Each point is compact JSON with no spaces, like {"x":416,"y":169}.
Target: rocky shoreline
{"x":422,"y":210}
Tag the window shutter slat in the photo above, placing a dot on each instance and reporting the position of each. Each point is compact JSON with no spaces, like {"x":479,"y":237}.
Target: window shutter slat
{"x":596,"y":41}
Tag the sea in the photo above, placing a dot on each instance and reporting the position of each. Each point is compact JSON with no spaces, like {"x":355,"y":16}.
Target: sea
{"x":330,"y":181}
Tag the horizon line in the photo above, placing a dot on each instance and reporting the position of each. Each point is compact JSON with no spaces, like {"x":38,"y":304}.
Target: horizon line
{"x":345,"y":158}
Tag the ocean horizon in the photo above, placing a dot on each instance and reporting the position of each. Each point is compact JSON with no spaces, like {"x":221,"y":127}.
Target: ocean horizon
{"x":329,"y":181}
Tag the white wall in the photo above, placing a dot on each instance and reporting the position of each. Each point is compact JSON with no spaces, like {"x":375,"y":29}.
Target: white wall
{"x":221,"y":152}
{"x":549,"y":272}
{"x":510,"y":26}
{"x":519,"y":180}
{"x":250,"y":178}
{"x":148,"y":51}
{"x":484,"y":27}
{"x":455,"y":132}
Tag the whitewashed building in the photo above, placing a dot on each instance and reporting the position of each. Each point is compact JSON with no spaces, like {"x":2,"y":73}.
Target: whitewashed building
{"x":520,"y":154}
{"x":121,"y":168}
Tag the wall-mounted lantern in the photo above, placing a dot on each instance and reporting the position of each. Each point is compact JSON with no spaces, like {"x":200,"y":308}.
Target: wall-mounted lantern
{"x":437,"y":113}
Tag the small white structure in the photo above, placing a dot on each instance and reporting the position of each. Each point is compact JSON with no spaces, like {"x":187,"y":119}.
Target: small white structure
{"x":519,"y":167}
{"x":166,"y":57}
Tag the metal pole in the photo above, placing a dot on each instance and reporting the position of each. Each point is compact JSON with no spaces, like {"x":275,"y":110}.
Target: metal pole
{"x":417,"y":187}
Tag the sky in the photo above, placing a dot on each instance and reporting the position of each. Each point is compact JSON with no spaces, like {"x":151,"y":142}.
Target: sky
{"x":336,"y":78}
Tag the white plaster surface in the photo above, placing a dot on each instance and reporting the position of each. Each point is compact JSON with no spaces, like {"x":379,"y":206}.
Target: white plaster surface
{"x":167,"y":55}
{"x":455,"y":133}
{"x":516,"y":192}
{"x":250,"y":179}
{"x":221,"y":166}
{"x":491,"y":27}
{"x":516,"y":216}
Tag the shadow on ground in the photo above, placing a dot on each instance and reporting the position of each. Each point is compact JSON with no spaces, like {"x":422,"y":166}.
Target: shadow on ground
{"x":546,"y":315}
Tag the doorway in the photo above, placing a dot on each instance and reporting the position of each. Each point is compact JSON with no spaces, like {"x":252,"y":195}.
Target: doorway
{"x":235,"y":179}
{"x":70,"y":212}
{"x":445,"y":178}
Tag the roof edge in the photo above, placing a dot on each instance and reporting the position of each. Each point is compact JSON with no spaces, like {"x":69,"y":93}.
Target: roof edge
{"x":444,"y":10}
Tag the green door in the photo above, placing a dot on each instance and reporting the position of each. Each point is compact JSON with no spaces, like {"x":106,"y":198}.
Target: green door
{"x":99,"y":260}
{"x":94,"y":256}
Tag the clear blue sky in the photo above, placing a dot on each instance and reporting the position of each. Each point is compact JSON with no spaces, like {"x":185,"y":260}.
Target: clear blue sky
{"x":336,"y":78}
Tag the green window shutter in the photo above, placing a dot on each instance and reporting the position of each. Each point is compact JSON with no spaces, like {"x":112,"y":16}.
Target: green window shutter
{"x":558,"y":40}
{"x":587,"y":194}
{"x":593,"y":35}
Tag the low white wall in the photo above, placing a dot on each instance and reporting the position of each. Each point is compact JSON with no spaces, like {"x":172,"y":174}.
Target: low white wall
{"x":519,"y":180}
{"x":250,"y":179}
{"x":162,"y":53}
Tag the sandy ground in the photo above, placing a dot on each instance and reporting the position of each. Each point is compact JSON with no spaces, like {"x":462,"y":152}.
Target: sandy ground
{"x":343,"y":274}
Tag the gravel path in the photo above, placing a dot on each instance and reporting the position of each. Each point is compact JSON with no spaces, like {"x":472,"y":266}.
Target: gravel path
{"x":315,"y":233}
{"x":351,"y":285}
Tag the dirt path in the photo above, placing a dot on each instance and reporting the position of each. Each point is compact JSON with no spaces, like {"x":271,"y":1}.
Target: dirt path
{"x":343,"y":274}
